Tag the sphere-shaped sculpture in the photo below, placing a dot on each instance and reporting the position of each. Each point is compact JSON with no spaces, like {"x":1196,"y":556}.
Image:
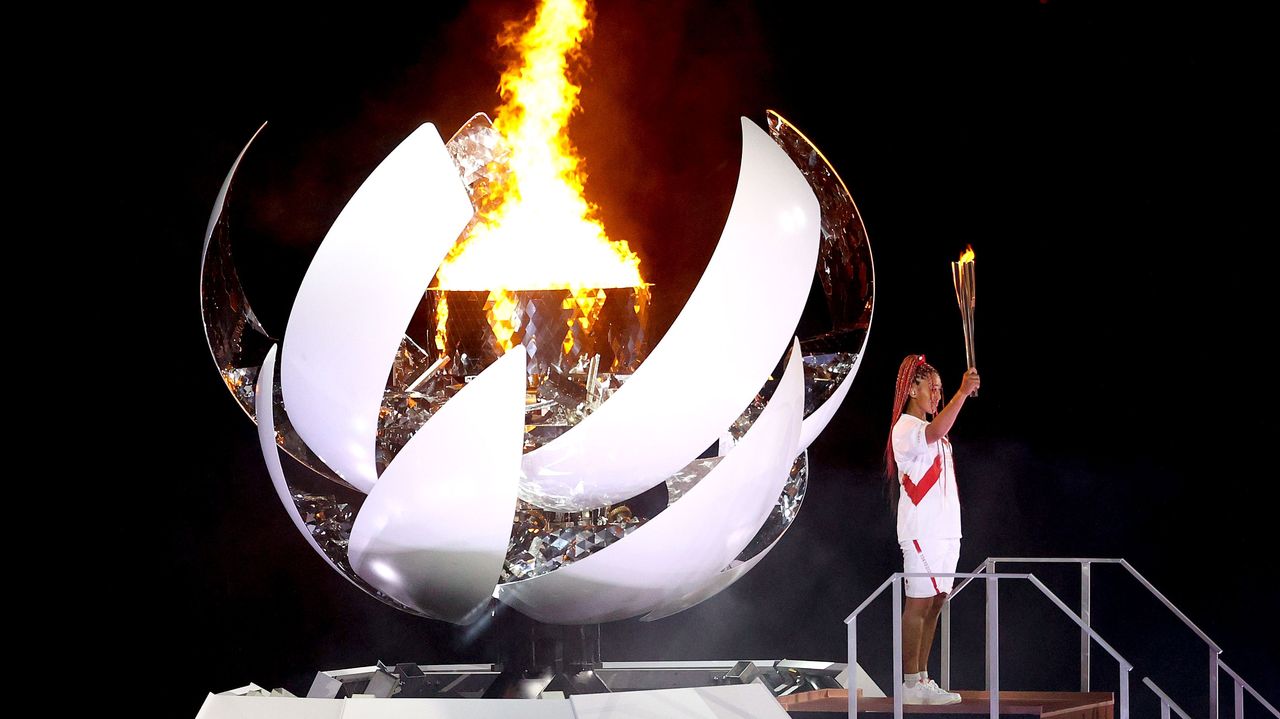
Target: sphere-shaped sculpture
{"x":435,"y":491}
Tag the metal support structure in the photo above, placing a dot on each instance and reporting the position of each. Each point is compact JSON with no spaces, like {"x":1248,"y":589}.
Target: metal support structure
{"x":1124,"y":691}
{"x":992,"y":667}
{"x":852,"y":621}
{"x":946,"y":643}
{"x":987,"y":571}
{"x":1125,"y":666}
{"x":990,"y":568}
{"x":993,"y":643}
{"x":1085,"y":610}
{"x":1213,"y":682}
{"x":897,"y":647}
{"x":853,"y":670}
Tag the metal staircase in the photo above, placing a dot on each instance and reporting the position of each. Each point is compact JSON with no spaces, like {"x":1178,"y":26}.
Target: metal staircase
{"x":988,"y":575}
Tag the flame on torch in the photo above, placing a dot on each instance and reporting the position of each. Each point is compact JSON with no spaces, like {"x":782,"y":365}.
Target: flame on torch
{"x":963,"y":279}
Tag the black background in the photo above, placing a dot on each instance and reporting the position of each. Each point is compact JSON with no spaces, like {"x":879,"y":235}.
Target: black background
{"x":1102,"y":160}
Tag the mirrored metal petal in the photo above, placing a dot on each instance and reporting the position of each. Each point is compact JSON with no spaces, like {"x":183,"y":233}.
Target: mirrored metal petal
{"x":679,"y":484}
{"x":236,"y":338}
{"x":825,"y":407}
{"x":481,"y":155}
{"x":417,"y":388}
{"x":845,"y":266}
{"x":542,"y":541}
{"x":845,"y":269}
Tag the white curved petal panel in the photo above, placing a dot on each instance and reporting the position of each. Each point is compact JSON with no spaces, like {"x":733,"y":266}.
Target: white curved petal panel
{"x":271,"y":452}
{"x":434,"y":530}
{"x":358,"y":296}
{"x":745,"y":307}
{"x":710,"y":587}
{"x":688,"y":543}
{"x":816,"y":422}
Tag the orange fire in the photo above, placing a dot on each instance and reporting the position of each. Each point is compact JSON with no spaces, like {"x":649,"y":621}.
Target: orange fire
{"x":543,"y":234}
{"x":967,"y":255}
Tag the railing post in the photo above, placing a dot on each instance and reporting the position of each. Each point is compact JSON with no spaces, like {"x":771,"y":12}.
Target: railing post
{"x":993,"y":644}
{"x":1239,"y":699}
{"x":897,"y":648}
{"x":946,"y":642}
{"x":1164,"y":709}
{"x":1213,"y":682}
{"x":1124,"y":692}
{"x":1086,"y":645}
{"x":852,"y":681}
{"x":989,"y":567}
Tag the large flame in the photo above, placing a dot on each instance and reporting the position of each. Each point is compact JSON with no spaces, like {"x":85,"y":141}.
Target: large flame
{"x":543,"y":234}
{"x":967,"y":255}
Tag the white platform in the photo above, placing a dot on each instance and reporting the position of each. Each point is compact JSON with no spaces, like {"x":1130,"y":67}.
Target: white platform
{"x":727,"y":702}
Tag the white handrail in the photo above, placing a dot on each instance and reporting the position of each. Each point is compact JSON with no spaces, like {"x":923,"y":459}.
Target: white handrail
{"x":1165,"y":702}
{"x":1215,"y":663}
{"x":1242,"y":685}
{"x":993,"y":615}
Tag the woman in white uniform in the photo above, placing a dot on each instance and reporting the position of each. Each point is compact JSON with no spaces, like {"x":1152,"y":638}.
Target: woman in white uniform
{"x":918,"y":460}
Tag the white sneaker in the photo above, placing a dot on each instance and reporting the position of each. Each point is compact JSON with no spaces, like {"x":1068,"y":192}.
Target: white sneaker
{"x":938,"y":695}
{"x":915,"y":694}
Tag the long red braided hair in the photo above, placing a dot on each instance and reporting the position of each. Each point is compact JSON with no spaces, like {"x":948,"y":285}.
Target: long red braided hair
{"x":912,"y":370}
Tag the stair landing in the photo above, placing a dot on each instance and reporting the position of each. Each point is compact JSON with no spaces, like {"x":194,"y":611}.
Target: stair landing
{"x":1059,"y":705}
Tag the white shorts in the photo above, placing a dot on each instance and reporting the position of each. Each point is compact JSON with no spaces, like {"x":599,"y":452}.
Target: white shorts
{"x":929,"y":555}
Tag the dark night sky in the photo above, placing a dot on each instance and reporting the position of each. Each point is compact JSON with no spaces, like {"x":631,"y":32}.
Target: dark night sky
{"x":1100,"y":160}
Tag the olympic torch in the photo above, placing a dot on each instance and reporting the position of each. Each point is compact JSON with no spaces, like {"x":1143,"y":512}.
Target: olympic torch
{"x":962,"y":277}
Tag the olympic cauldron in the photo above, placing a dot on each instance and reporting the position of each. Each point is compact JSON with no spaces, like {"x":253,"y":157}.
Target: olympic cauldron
{"x":574,"y":477}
